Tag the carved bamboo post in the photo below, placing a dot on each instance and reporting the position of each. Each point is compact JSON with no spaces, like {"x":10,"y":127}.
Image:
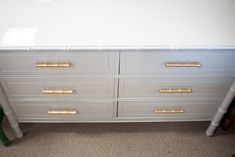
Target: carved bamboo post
{"x":221,"y":110}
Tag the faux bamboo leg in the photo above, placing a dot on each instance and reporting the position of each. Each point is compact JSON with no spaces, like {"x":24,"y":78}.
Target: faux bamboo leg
{"x":221,"y":111}
{"x":10,"y":115}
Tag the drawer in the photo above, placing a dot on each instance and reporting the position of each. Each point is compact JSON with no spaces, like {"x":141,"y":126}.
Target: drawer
{"x":62,"y":111}
{"x":168,"y":110}
{"x":174,"y":87}
{"x":83,"y":63}
{"x":174,"y":63}
{"x":59,"y":88}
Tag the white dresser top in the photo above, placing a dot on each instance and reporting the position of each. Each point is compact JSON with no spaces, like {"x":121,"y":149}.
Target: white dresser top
{"x":117,"y":24}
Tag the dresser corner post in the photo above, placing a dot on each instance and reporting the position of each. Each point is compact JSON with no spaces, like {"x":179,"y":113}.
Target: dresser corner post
{"x":221,"y":110}
{"x":10,"y":115}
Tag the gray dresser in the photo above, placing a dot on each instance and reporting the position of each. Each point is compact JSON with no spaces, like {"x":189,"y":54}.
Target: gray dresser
{"x":68,"y":70}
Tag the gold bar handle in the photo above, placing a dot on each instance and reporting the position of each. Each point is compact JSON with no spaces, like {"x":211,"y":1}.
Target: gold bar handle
{"x":66,"y":91}
{"x":175,"y":90}
{"x":183,"y":64}
{"x":53,"y":65}
{"x":169,"y":111}
{"x":61,"y":111}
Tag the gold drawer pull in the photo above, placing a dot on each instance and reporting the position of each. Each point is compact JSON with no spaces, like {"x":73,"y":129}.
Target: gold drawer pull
{"x":53,"y":65}
{"x":182,"y":64}
{"x":62,"y":111}
{"x":169,"y":111}
{"x":66,"y":91}
{"x":175,"y":90}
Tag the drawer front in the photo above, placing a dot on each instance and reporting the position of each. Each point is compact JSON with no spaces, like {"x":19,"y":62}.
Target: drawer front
{"x":178,"y":63}
{"x":58,"y":62}
{"x":62,"y":88}
{"x":63,"y":111}
{"x":168,"y":109}
{"x":174,"y":87}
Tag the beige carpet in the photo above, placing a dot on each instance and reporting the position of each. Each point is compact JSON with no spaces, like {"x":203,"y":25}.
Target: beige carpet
{"x":120,"y":140}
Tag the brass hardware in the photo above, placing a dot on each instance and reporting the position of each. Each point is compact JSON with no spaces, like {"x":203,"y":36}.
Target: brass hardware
{"x":66,"y":91}
{"x":53,"y":65}
{"x":182,"y":64}
{"x":61,"y":111}
{"x":175,"y":90}
{"x":169,"y":111}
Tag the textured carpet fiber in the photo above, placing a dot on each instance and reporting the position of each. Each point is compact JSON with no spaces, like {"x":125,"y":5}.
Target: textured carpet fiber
{"x":185,"y":139}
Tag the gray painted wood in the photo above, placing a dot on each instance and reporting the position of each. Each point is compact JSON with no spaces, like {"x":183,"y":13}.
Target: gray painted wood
{"x":82,"y":62}
{"x":200,"y":109}
{"x":150,"y":87}
{"x":213,"y":63}
{"x":25,"y":87}
{"x":115,"y":86}
{"x":85,"y":110}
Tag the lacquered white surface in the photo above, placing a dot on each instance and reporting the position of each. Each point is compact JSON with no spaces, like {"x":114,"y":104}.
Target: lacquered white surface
{"x":117,"y":23}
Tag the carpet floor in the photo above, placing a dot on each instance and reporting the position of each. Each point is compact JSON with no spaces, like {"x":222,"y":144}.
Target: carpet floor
{"x":184,"y":139}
